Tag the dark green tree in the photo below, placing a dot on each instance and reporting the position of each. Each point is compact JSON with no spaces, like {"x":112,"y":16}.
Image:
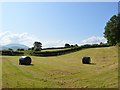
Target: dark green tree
{"x":37,"y":46}
{"x":75,"y":45}
{"x":112,"y":30}
{"x":67,"y":45}
{"x":20,"y":49}
{"x":71,"y":45}
{"x":10,"y":49}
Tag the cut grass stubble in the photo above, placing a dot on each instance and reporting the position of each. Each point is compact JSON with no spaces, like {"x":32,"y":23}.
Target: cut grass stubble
{"x":66,"y":71}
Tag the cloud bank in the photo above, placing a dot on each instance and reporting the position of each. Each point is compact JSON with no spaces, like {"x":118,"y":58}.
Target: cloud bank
{"x":26,"y":39}
{"x":58,"y":43}
{"x":93,"y":40}
{"x":21,"y":38}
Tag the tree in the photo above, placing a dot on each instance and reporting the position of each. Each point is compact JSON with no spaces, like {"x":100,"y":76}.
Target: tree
{"x":10,"y":49}
{"x":29,"y":48}
{"x":20,"y":49}
{"x":75,"y":45}
{"x":101,"y":43}
{"x":67,"y":45}
{"x":112,"y":30}
{"x":37,"y":46}
{"x":71,"y":45}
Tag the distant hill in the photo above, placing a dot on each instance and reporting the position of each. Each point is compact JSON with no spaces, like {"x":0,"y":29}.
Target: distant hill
{"x":14,"y":46}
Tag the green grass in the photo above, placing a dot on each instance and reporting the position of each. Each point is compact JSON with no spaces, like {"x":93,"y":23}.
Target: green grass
{"x":0,"y":73}
{"x":64,"y":71}
{"x":55,"y":49}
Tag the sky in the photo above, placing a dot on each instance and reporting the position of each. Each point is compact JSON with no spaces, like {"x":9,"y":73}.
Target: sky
{"x":55,"y":23}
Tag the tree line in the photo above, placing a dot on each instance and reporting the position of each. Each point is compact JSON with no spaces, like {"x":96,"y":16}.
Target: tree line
{"x":37,"y":52}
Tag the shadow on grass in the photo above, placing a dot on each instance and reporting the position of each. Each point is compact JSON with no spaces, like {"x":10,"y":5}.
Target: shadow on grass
{"x":28,"y":64}
{"x":92,"y":63}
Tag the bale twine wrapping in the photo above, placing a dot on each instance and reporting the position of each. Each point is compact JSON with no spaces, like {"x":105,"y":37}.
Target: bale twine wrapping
{"x":25,"y":60}
{"x":86,"y":60}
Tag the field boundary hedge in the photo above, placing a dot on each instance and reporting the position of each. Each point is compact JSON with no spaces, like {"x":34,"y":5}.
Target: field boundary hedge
{"x":56,"y":53}
{"x":62,"y":52}
{"x":11,"y":53}
{"x":51,"y":53}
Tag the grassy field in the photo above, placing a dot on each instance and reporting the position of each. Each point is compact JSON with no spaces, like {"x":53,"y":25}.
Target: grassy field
{"x":64,"y":71}
{"x":48,"y":50}
{"x":0,"y":72}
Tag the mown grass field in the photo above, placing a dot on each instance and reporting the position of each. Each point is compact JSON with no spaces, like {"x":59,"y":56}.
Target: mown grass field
{"x":0,"y":72}
{"x":65,"y":71}
{"x":54,"y":49}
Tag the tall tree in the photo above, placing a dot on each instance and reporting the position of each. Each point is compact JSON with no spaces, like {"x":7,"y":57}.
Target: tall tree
{"x":75,"y":45}
{"x":37,"y":46}
{"x":112,"y":30}
{"x":67,"y":45}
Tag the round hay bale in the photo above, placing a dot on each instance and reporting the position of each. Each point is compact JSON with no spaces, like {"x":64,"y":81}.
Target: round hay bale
{"x":25,"y":60}
{"x":86,"y":60}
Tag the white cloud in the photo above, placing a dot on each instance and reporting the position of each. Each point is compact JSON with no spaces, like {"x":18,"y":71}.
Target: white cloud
{"x":26,"y":39}
{"x":21,"y":38}
{"x":58,"y":43}
{"x":93,"y":40}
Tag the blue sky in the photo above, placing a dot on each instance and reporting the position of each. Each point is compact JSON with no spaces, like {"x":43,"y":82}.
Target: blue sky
{"x":55,"y":24}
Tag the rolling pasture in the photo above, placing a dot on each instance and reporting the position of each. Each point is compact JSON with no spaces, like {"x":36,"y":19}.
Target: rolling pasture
{"x":65,"y":71}
{"x":54,"y":50}
{"x":0,"y":72}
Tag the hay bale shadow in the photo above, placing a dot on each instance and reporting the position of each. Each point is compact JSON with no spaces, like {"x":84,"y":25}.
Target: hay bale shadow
{"x":92,"y":63}
{"x":28,"y":64}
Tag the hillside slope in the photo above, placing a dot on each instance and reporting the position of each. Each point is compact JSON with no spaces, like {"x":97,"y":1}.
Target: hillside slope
{"x":14,"y":46}
{"x":64,"y":71}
